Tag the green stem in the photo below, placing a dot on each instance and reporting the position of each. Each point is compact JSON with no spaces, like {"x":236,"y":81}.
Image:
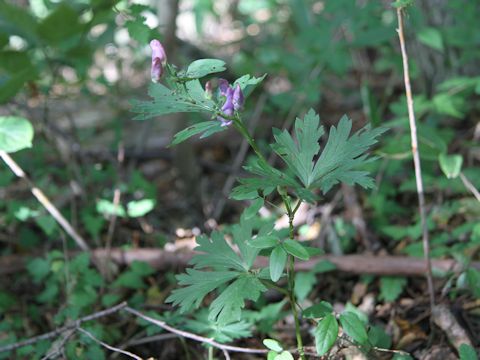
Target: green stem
{"x":291,"y":285}
{"x":240,"y":126}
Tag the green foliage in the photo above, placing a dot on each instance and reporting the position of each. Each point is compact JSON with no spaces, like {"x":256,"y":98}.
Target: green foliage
{"x":203,"y":67}
{"x":230,"y":269}
{"x":16,"y":133}
{"x":391,"y":287}
{"x":353,"y":327}
{"x":467,"y":352}
{"x":451,"y":165}
{"x":326,"y":334}
{"x":278,"y":259}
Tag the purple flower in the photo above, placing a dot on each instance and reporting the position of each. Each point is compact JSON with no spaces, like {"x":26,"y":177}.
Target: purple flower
{"x":223,"y":86}
{"x":159,"y":60}
{"x":234,"y":100}
{"x":238,"y":98}
{"x":228,"y":107}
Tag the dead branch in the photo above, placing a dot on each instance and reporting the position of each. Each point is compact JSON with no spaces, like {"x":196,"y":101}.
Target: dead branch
{"x":355,"y":264}
{"x":416,"y":160}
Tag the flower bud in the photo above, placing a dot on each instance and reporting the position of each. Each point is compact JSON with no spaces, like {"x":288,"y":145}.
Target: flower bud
{"x":159,"y":60}
{"x":238,"y":98}
{"x":223,"y":86}
{"x":208,"y":90}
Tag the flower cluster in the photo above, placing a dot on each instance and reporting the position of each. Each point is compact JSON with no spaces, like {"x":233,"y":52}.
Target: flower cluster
{"x":233,"y":95}
{"x":233,"y":100}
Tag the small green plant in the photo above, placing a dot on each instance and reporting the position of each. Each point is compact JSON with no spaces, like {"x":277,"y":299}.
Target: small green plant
{"x":226,"y":263}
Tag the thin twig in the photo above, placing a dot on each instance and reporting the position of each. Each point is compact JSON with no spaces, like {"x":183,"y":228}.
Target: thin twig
{"x":116,"y":202}
{"x":416,"y":159}
{"x":61,"y":330}
{"x":109,"y":347}
{"x":468,"y":184}
{"x":192,"y":336}
{"x":47,"y":204}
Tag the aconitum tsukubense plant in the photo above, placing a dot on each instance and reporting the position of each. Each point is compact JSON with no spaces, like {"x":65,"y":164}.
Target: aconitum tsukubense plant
{"x":308,"y":173}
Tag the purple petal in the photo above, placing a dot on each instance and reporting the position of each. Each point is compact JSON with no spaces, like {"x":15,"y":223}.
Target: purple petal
{"x":159,"y":60}
{"x":238,"y":98}
{"x":223,"y":86}
{"x":157,"y":70}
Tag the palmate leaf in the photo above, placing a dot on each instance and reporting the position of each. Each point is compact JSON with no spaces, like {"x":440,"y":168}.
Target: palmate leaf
{"x":229,"y":268}
{"x":227,"y":307}
{"x":338,"y":161}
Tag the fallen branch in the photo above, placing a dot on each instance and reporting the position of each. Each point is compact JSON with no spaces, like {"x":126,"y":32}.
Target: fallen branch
{"x":195,"y":337}
{"x":57,"y":332}
{"x":356,"y":264}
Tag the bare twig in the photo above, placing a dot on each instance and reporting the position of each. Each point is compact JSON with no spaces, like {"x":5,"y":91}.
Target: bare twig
{"x":109,"y":347}
{"x":74,"y":325}
{"x":416,"y":159}
{"x":195,"y":337}
{"x":468,"y":184}
{"x":116,"y":202}
{"x":47,"y":204}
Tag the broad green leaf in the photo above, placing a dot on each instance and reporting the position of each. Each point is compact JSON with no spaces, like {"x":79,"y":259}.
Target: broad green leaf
{"x":431,"y":37}
{"x":278,"y":259}
{"x":326,"y":333}
{"x":139,"y":208}
{"x":203,"y":67}
{"x":353,"y":327}
{"x":138,"y":30}
{"x":467,"y":352}
{"x":16,"y":133}
{"x":304,"y":282}
{"x":273,"y":345}
{"x":271,"y":355}
{"x":319,"y":310}
{"x":60,"y":25}
{"x":14,"y":20}
{"x":264,"y":242}
{"x":451,"y":165}
{"x":391,"y":287}
{"x":379,"y":338}
{"x":296,"y":249}
{"x":207,"y":126}
{"x":227,"y":306}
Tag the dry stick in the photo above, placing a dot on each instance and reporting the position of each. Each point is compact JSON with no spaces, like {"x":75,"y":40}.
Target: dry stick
{"x":47,"y":204}
{"x":116,"y":202}
{"x":470,"y":186}
{"x":109,"y":347}
{"x":195,"y":337}
{"x":76,"y":324}
{"x":416,"y":158}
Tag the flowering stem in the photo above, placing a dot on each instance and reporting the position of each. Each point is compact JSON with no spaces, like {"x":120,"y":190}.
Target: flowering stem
{"x":240,"y":126}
